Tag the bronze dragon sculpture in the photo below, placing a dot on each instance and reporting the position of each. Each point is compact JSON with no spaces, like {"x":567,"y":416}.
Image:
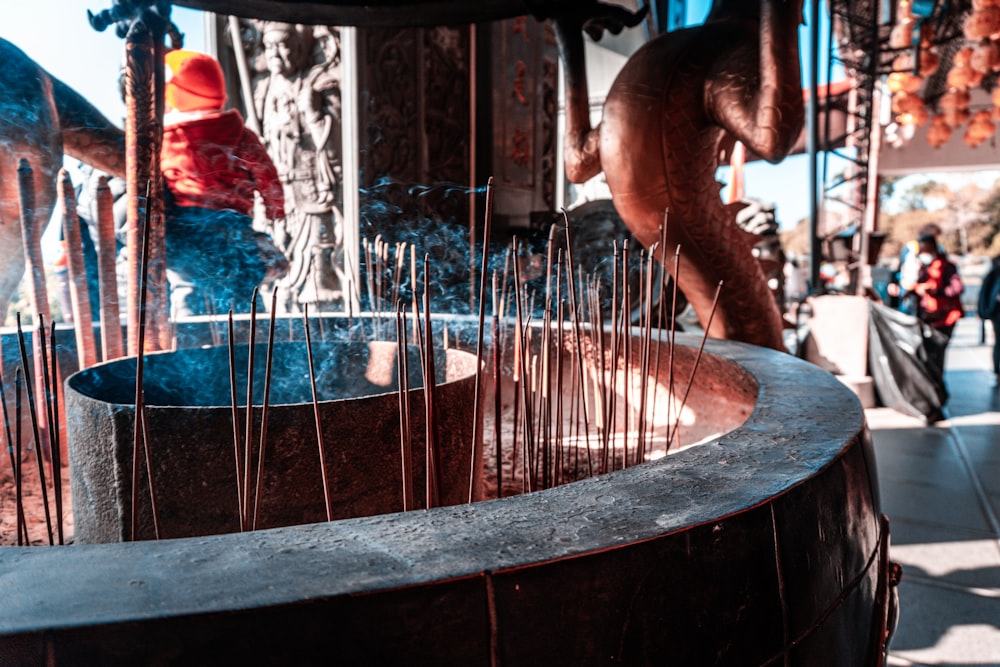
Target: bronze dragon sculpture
{"x":679,"y":103}
{"x":40,"y":119}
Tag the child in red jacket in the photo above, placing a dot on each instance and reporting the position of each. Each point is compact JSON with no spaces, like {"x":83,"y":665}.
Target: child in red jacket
{"x":212,"y":165}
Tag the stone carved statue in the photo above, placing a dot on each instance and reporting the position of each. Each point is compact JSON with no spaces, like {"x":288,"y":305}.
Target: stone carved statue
{"x":40,"y":118}
{"x":678,"y":104}
{"x":298,"y":104}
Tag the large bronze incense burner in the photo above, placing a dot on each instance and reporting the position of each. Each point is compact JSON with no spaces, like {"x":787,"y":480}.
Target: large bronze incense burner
{"x":763,"y":544}
{"x":719,"y":504}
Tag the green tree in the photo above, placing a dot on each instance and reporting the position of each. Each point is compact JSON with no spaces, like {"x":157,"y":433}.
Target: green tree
{"x":984,"y":238}
{"x":887,"y":187}
{"x":913,"y":198}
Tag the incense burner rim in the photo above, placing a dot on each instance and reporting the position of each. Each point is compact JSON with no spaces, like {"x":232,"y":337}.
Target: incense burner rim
{"x":804,"y":419}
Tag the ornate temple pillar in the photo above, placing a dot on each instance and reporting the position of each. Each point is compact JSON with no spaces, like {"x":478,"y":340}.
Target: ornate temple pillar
{"x":524,"y":74}
{"x":414,"y":120}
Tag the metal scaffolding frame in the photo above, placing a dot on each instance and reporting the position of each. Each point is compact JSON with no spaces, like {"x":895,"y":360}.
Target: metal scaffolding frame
{"x":857,"y":38}
{"x":859,"y":34}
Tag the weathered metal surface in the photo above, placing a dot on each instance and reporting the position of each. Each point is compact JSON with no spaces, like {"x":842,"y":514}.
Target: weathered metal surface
{"x":762,"y":546}
{"x":188,"y":411}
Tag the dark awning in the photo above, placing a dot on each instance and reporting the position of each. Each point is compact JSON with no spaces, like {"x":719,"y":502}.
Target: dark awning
{"x":383,"y":13}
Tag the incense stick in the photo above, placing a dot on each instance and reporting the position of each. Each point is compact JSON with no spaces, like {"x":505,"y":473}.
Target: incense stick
{"x":236,"y":420}
{"x":497,"y":397}
{"x":558,"y":435}
{"x":32,"y":412}
{"x":248,"y":431}
{"x":55,"y":458}
{"x":574,"y":305}
{"x":477,"y":435}
{"x":697,"y":360}
{"x":671,"y":402}
{"x":22,"y":525}
{"x":403,"y":382}
{"x":548,"y":426}
{"x":433,"y":472}
{"x":54,"y":437}
{"x":647,"y":331}
{"x":6,"y":426}
{"x":370,"y":283}
{"x":660,"y":323}
{"x":264,"y":410}
{"x":399,"y":258}
{"x":139,"y":426}
{"x":626,"y":344}
{"x":316,"y":416}
{"x":523,"y":397}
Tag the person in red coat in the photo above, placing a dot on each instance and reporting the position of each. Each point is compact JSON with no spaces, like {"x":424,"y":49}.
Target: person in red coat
{"x":212,"y":167}
{"x":939,"y":289}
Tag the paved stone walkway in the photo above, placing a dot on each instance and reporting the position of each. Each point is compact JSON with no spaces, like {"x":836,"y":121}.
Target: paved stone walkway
{"x":940,"y":487}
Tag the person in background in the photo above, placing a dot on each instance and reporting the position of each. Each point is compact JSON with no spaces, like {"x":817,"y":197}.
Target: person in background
{"x":989,"y":308}
{"x":212,"y":165}
{"x":909,"y":267}
{"x":939,"y":290}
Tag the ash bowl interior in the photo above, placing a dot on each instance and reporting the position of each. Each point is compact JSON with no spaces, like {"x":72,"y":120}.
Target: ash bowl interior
{"x":194,"y":443}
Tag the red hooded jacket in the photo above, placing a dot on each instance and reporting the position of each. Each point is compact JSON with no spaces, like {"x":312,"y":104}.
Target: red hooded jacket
{"x":213,"y":161}
{"x":941,"y":303}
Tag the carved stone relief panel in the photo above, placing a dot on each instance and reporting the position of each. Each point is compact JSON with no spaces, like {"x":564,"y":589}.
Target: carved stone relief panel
{"x":415,"y":118}
{"x":415,"y":127}
{"x":296,"y":73}
{"x":415,"y":122}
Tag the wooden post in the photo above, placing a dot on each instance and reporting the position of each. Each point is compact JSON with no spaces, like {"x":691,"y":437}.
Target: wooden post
{"x":143,"y":135}
{"x":34,"y":274}
{"x":86,"y":348}
{"x":34,"y":267}
{"x":111,"y":328}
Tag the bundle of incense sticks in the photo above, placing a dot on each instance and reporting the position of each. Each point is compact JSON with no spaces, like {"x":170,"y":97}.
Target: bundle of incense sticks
{"x":581,"y":400}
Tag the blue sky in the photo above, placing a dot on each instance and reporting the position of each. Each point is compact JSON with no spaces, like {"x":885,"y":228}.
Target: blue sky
{"x":56,"y":34}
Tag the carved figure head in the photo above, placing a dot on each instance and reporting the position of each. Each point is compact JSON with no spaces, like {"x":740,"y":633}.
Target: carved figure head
{"x":283,"y":47}
{"x":196,"y":83}
{"x":327,"y":44}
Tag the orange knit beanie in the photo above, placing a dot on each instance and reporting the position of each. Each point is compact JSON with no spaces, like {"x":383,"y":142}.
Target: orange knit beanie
{"x":196,"y":82}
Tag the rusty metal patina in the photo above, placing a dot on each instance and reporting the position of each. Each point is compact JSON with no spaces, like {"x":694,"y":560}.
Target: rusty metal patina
{"x":679,"y":103}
